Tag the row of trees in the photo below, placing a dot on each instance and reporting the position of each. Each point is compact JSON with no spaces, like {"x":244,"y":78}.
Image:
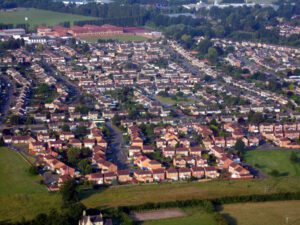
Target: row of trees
{"x":236,"y":23}
{"x":11,"y":44}
{"x":209,"y":205}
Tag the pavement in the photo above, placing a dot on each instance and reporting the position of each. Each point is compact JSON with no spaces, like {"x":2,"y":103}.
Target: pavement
{"x":118,"y":153}
{"x":74,"y":91}
{"x":5,"y":108}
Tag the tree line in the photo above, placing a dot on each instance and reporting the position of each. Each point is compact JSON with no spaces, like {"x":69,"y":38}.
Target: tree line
{"x":243,"y":23}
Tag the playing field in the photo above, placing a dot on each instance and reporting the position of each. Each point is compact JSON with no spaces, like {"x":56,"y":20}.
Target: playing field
{"x":194,"y":216}
{"x":273,"y":213}
{"x":170,"y":101}
{"x":139,"y":194}
{"x":37,"y":17}
{"x":269,"y":160}
{"x":21,"y":194}
{"x":120,"y":38}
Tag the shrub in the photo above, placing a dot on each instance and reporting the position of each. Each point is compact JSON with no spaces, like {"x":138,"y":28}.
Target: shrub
{"x":33,"y":170}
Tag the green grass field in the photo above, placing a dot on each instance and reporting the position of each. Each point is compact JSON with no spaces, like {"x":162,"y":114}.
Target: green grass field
{"x":121,"y":38}
{"x":266,"y":161}
{"x":170,"y":101}
{"x":275,"y":213}
{"x":195,"y":216}
{"x":39,"y":17}
{"x":21,"y":194}
{"x":139,"y":194}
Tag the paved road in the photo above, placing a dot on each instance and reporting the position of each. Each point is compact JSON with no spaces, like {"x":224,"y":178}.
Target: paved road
{"x":118,"y":153}
{"x":74,"y":90}
{"x":5,"y":108}
{"x":27,"y":126}
{"x":184,"y":62}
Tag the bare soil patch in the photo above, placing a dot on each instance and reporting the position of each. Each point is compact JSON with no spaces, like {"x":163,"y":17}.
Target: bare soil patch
{"x":158,"y":214}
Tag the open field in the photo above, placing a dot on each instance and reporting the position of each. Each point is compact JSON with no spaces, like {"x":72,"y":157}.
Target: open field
{"x":275,"y":213}
{"x":158,"y":214}
{"x":124,"y":38}
{"x":39,"y":17}
{"x":194,"y":216}
{"x":21,"y":194}
{"x":266,"y":161}
{"x":139,"y":194}
{"x":170,"y":101}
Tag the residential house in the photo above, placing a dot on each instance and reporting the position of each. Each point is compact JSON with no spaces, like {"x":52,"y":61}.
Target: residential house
{"x":184,"y":173}
{"x":198,"y":172}
{"x":172,"y":174}
{"x":143,"y":176}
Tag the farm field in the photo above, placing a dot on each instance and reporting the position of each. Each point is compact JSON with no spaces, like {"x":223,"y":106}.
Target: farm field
{"x":121,"y":38}
{"x":275,"y":213}
{"x":269,"y":160}
{"x":139,"y":194}
{"x":21,"y":194}
{"x":194,"y":216}
{"x":38,"y":17}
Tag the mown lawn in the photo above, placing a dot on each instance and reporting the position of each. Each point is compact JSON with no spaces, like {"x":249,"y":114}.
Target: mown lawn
{"x":120,"y":38}
{"x":170,"y":101}
{"x":21,"y":194}
{"x":195,"y":216}
{"x":37,"y":17}
{"x":275,"y":213}
{"x":139,"y":194}
{"x":270,"y":160}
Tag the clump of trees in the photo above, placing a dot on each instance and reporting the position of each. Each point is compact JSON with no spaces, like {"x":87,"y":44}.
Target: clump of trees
{"x":46,"y":93}
{"x":81,"y":131}
{"x":79,"y":157}
{"x":240,"y":147}
{"x":33,"y":170}
{"x":11,"y":44}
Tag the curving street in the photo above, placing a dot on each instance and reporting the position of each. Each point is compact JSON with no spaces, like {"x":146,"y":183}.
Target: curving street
{"x":4,"y":108}
{"x":117,"y":152}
